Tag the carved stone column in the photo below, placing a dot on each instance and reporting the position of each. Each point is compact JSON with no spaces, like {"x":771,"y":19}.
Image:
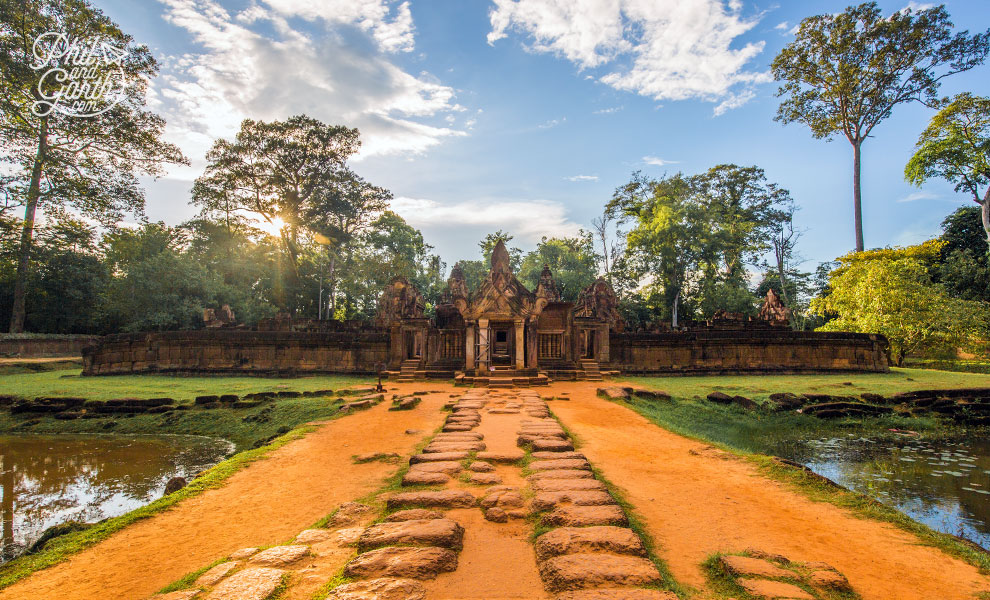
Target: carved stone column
{"x":469,"y":346}
{"x":520,"y":345}
{"x":531,"y":345}
{"x":484,"y":352}
{"x":604,"y":352}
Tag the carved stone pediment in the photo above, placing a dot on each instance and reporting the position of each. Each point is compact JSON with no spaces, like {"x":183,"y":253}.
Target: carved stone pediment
{"x":400,"y":300}
{"x":501,"y":295}
{"x":598,"y":301}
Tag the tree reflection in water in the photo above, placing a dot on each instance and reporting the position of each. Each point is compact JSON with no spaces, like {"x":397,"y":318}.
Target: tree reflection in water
{"x":47,"y":480}
{"x":944,"y":483}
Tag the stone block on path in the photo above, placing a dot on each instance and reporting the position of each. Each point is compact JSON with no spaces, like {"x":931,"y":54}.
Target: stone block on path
{"x":250,"y":584}
{"x":413,"y":514}
{"x":548,"y":500}
{"x":562,"y":485}
{"x":443,"y":533}
{"x":278,"y":556}
{"x":403,"y":561}
{"x":564,"y":463}
{"x":384,"y":588}
{"x":581,"y":571}
{"x":577,"y":540}
{"x":440,"y":499}
{"x":568,"y":515}
{"x":501,"y":457}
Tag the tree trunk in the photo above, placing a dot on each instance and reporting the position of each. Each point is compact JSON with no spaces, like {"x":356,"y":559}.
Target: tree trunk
{"x":857,"y":194}
{"x":677,"y":297}
{"x":985,"y":214}
{"x":332,"y":286}
{"x":19,"y":309}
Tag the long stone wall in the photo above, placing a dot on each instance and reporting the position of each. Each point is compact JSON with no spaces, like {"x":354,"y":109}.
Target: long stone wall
{"x":35,"y":346}
{"x":754,"y":351}
{"x":220,"y":351}
{"x":365,"y":351}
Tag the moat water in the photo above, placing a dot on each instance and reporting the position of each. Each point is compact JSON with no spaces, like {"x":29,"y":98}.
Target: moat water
{"x":943,"y":483}
{"x":49,"y":480}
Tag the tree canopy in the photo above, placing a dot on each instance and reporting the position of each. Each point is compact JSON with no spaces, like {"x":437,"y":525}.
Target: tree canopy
{"x":956,"y":147}
{"x":57,"y":161}
{"x":844,"y":73}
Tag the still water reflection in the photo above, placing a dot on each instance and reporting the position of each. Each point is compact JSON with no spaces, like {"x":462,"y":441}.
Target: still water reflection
{"x":47,"y":480}
{"x":944,"y":483}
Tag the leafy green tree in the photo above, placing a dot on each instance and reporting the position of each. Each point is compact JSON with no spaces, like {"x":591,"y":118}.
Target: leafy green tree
{"x":572,"y":261}
{"x":337,"y":217}
{"x":57,"y":162}
{"x":68,"y":279}
{"x":488,"y":246}
{"x":956,"y":147}
{"x":162,"y":292}
{"x":694,"y":235}
{"x":891,"y":292}
{"x":962,"y":263}
{"x":275,"y":170}
{"x":844,"y":73}
{"x":664,"y":240}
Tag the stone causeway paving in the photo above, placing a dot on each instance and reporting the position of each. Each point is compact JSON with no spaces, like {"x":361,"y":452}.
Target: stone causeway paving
{"x":498,"y":504}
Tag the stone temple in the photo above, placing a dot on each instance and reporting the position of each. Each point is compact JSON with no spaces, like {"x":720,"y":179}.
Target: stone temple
{"x":498,"y":334}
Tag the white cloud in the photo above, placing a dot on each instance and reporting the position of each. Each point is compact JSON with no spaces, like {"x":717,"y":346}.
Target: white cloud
{"x":662,"y":49}
{"x":783,"y":26}
{"x":916,"y":6}
{"x":608,"y":111}
{"x":918,"y":196}
{"x":527,"y":220}
{"x":334,"y":66}
{"x":552,"y":123}
{"x":393,"y":31}
{"x":659,"y":162}
{"x":582,"y":178}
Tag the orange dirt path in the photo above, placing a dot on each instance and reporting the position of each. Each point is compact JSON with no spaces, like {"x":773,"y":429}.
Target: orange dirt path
{"x":497,"y":561}
{"x":695,"y":500}
{"x":269,"y":501}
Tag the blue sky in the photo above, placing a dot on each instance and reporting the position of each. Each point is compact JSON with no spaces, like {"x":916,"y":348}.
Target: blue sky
{"x":525,"y":115}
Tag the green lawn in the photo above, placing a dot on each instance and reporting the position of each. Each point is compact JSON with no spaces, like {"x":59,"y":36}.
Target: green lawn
{"x":759,"y":387}
{"x":245,"y":427}
{"x":71,"y":383}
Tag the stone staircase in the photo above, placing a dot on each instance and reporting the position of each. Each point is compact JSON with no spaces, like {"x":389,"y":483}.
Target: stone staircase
{"x":407,"y":371}
{"x":591,"y":370}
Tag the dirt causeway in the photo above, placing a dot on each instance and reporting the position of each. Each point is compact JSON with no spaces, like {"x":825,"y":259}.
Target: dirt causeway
{"x":467,"y":535}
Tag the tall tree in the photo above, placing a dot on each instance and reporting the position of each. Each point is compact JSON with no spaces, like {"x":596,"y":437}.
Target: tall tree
{"x":956,"y":147}
{"x":845,"y":73}
{"x":278,"y":171}
{"x":667,"y":225}
{"x":337,"y":215}
{"x":57,"y":160}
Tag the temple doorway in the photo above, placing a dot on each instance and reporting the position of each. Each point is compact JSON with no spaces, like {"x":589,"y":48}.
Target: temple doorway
{"x":503,"y":343}
{"x":589,"y":343}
